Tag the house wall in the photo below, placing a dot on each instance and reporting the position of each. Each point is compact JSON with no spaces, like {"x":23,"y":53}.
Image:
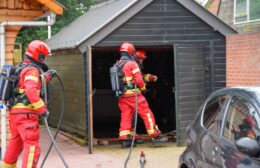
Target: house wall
{"x":166,"y":22}
{"x":69,"y":65}
{"x":226,"y":13}
{"x":243,"y":59}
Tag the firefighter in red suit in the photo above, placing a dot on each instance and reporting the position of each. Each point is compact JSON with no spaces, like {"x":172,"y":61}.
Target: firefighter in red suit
{"x":140,"y":56}
{"x":132,"y":76}
{"x":29,"y":104}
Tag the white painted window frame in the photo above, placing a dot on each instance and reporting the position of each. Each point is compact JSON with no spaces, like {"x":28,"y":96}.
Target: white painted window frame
{"x":247,"y":11}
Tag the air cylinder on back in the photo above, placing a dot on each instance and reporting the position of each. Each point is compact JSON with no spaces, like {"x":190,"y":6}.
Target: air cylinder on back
{"x":6,"y":82}
{"x":115,"y":76}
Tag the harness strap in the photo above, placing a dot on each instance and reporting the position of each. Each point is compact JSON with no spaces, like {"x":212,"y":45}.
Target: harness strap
{"x":19,"y":95}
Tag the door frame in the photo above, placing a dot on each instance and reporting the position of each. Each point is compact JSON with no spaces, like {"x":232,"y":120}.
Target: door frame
{"x":89,"y":96}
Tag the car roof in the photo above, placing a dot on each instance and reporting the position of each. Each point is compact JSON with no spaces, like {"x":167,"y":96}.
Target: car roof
{"x":253,"y":91}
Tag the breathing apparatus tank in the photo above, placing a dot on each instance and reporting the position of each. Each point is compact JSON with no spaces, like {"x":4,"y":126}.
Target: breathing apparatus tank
{"x":9,"y":77}
{"x":116,"y":76}
{"x":7,"y":81}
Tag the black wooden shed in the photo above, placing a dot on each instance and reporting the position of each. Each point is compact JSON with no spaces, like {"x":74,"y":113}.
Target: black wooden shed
{"x":186,"y":47}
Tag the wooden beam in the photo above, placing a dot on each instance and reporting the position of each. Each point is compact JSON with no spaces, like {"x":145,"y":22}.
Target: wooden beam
{"x":52,"y":5}
{"x":21,"y":12}
{"x":15,"y":18}
{"x":9,"y":56}
{"x":10,"y":40}
{"x":12,"y":29}
{"x":18,"y":4}
{"x":12,"y":33}
{"x":35,"y":5}
{"x":88,"y":65}
{"x":9,"y":61}
{"x":10,"y":4}
{"x":9,"y":48}
{"x":3,"y":4}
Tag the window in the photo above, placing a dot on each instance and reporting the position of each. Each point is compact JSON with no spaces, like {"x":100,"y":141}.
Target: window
{"x":212,"y":117}
{"x":241,"y":120}
{"x":247,"y":10}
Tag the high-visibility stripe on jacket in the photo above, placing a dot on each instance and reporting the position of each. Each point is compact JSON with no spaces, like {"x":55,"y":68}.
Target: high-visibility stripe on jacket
{"x":30,"y":84}
{"x":133,"y":75}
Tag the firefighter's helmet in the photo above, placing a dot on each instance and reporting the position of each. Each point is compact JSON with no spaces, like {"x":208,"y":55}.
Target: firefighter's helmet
{"x":37,"y":50}
{"x":140,"y":54}
{"x":127,"y":47}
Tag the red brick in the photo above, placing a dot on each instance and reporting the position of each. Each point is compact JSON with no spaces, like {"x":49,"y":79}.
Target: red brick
{"x":243,"y":59}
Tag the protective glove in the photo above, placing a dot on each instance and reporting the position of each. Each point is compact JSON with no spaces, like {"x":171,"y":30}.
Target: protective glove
{"x":52,"y":72}
{"x":46,"y":114}
{"x":155,"y":78}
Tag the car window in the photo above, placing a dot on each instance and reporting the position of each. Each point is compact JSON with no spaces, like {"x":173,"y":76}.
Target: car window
{"x":241,"y":120}
{"x":213,"y":116}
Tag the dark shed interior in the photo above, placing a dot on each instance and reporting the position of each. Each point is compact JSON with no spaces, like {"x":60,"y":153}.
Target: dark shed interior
{"x":160,"y":95}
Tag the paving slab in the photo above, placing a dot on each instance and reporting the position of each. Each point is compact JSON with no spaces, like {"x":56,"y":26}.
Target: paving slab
{"x":107,"y":156}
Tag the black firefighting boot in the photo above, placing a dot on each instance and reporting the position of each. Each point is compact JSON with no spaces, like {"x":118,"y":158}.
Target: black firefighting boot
{"x":127,"y":144}
{"x":159,"y":140}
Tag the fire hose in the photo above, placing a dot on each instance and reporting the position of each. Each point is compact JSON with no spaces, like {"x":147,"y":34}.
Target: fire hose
{"x":58,"y":126}
{"x":135,"y":124}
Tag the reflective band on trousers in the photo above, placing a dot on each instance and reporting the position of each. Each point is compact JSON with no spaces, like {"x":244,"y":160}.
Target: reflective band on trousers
{"x":122,"y":133}
{"x":30,"y":157}
{"x":150,"y":131}
{"x":6,"y":165}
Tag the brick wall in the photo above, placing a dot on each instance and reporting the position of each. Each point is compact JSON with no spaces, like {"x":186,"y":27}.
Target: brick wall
{"x":243,"y":59}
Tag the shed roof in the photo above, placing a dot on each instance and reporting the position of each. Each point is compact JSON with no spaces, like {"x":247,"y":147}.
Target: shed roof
{"x":84,"y":26}
{"x":87,"y":25}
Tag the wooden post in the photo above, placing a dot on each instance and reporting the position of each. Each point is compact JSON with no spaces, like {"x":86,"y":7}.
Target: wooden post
{"x":90,"y":100}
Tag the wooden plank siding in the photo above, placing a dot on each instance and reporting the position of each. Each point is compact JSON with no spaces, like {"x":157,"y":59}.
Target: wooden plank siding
{"x":190,"y":85}
{"x":166,"y":22}
{"x":69,"y":65}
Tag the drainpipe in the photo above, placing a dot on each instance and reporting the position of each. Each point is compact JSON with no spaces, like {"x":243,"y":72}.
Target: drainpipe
{"x":50,"y":22}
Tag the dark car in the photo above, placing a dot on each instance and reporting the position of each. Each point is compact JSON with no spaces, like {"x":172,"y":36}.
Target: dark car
{"x":225,"y":132}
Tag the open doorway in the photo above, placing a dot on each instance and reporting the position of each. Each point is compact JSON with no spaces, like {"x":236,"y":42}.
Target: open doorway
{"x":160,"y":95}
